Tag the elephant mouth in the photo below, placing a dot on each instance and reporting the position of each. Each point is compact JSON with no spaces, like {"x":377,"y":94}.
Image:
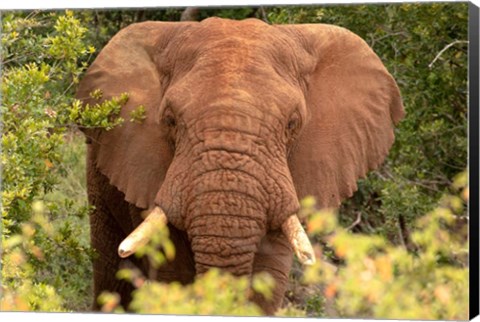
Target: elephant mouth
{"x":156,"y":218}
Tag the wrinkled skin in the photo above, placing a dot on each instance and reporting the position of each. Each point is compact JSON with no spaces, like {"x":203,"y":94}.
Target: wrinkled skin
{"x":243,"y":120}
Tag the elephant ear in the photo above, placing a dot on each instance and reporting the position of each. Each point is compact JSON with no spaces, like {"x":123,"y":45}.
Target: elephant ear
{"x":135,"y":155}
{"x":353,"y":104}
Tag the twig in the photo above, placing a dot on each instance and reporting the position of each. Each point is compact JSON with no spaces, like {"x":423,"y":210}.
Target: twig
{"x":445,"y":49}
{"x":402,"y":237}
{"x":375,"y":40}
{"x":264,"y":14}
{"x":190,"y":14}
{"x":357,"y":221}
{"x":404,"y":233}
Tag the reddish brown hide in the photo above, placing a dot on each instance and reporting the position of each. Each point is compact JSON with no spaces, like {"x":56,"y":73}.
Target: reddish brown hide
{"x":243,"y":120}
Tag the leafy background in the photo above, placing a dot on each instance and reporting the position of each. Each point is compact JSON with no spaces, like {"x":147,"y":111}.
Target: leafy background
{"x":403,"y":232}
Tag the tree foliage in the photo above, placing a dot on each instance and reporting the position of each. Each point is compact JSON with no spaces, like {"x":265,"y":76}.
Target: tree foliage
{"x":429,"y":283}
{"x":44,"y":55}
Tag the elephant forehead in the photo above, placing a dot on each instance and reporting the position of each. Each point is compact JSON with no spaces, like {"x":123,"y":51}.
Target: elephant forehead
{"x":216,"y":29}
{"x":234,"y":63}
{"x":235,"y":46}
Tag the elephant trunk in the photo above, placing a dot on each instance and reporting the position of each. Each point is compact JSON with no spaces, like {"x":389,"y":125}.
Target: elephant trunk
{"x":225,"y":233}
{"x":214,"y":246}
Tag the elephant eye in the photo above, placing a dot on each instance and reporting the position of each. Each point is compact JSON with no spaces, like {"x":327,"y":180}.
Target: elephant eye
{"x":293,"y":124}
{"x":169,"y":119}
{"x":293,"y":127}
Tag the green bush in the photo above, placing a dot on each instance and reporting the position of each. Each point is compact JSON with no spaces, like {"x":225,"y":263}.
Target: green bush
{"x":430,"y":283}
{"x":214,"y":293}
{"x":44,"y":250}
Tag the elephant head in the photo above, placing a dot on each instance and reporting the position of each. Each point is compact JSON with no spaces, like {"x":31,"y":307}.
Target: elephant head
{"x":243,"y":119}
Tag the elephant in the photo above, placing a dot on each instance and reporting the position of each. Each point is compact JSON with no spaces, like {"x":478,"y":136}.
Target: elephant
{"x":242,"y":120}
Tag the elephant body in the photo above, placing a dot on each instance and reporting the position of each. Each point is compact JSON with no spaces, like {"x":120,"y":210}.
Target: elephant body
{"x":243,"y":119}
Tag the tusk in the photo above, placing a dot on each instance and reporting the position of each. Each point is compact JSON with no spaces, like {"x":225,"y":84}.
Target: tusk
{"x":298,"y":238}
{"x":143,"y":233}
